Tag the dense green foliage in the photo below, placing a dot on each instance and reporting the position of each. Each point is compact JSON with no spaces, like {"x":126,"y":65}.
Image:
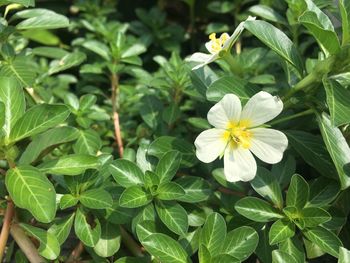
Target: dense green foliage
{"x":100,"y":108}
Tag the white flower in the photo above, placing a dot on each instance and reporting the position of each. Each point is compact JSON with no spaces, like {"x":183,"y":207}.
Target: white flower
{"x":216,"y":45}
{"x":237,"y":135}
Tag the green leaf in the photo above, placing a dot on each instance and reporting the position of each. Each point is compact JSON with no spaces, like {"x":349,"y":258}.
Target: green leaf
{"x":126,"y":173}
{"x":313,"y":151}
{"x":173,"y":215}
{"x":68,"y":61}
{"x":165,"y":249}
{"x":225,"y":258}
{"x":25,"y":3}
{"x":170,"y":191}
{"x":213,"y":233}
{"x":38,"y":119}
{"x":67,"y":201}
{"x":204,"y":254}
{"x":171,"y":113}
{"x":320,"y":26}
{"x":151,"y":110}
{"x":256,"y":209}
{"x":323,"y":191}
{"x":164,"y":144}
{"x":276,"y":40}
{"x":265,"y":184}
{"x":231,"y":84}
{"x":282,"y":257}
{"x":61,"y":228}
{"x":312,"y":249}
{"x":338,"y":100}
{"x":97,"y":47}
{"x":151,"y":180}
{"x":72,"y":164}
{"x":314,"y":216}
{"x":280,"y":231}
{"x":190,"y":241}
{"x":241,"y":242}
{"x":89,"y":142}
{"x":21,"y":68}
{"x":48,"y":139}
{"x":49,"y":246}
{"x":293,"y":247}
{"x":12,"y":96}
{"x":39,"y":18}
{"x":2,"y":114}
{"x":344,"y":255}
{"x":132,"y":260}
{"x":134,"y":196}
{"x":96,"y":199}
{"x":325,"y":239}
{"x":196,"y":189}
{"x":284,"y":170}
{"x":298,"y":192}
{"x":264,"y":250}
{"x":168,"y":166}
{"x":134,"y":50}
{"x":344,"y":8}
{"x":31,"y":190}
{"x":267,"y":13}
{"x":88,"y":234}
{"x":337,"y":147}
{"x":109,"y":242}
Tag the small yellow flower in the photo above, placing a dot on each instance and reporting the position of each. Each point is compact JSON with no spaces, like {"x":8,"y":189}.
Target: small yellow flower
{"x":237,"y":135}
{"x":215,"y":45}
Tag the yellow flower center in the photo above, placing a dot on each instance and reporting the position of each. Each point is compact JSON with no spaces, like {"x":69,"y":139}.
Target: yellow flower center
{"x":237,"y":134}
{"x":218,"y":43}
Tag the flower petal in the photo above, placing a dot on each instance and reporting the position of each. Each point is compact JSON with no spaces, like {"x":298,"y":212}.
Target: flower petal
{"x":233,"y":38}
{"x":261,"y":108}
{"x":210,"y":144}
{"x":239,"y":165}
{"x":203,"y":58}
{"x":268,"y":144}
{"x":199,"y":57}
{"x":209,"y":46}
{"x":226,"y":110}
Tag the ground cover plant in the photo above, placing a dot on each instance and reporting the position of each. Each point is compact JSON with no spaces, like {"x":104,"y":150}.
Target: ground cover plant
{"x":175,"y":131}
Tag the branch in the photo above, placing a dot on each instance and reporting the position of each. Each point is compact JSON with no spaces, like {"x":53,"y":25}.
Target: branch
{"x":25,"y":244}
{"x":74,"y":256}
{"x":115,"y":115}
{"x":130,"y":243}
{"x":5,"y":231}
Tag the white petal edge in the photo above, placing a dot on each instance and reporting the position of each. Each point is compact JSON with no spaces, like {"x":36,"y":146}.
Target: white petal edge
{"x":210,"y":145}
{"x":227,"y":109}
{"x":211,"y":58}
{"x":261,"y":108}
{"x":199,"y":57}
{"x":239,"y":165}
{"x":268,"y":144}
{"x":235,"y":35}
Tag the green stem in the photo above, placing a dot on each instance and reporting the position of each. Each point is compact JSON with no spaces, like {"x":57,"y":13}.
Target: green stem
{"x":297,"y":115}
{"x":305,"y":82}
{"x":234,"y":66}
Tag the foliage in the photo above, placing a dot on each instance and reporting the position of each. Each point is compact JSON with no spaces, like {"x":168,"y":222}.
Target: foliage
{"x":100,"y":108}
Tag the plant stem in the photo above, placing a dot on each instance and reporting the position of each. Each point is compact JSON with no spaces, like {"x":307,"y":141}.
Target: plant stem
{"x":74,"y":256}
{"x":130,"y":243}
{"x":305,"y":82}
{"x":5,"y":231}
{"x":234,"y":66}
{"x":300,"y":114}
{"x":25,"y":244}
{"x":115,"y":115}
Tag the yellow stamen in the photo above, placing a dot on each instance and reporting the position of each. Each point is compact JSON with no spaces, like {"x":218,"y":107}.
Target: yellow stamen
{"x":237,"y":134}
{"x":217,"y":43}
